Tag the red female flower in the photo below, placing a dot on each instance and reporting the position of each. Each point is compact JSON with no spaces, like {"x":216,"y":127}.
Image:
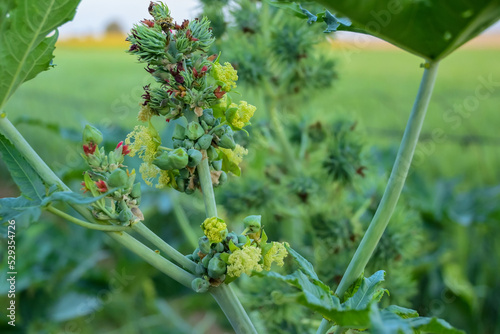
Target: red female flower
{"x":101,"y":186}
{"x":90,"y":148}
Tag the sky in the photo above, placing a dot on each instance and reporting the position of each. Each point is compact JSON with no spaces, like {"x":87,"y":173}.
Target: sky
{"x":94,"y":15}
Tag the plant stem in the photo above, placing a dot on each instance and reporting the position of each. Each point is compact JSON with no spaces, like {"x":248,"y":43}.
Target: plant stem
{"x":232,"y":308}
{"x":395,"y":184}
{"x":170,"y":251}
{"x":153,"y":258}
{"x":184,"y":224}
{"x":206,"y":187}
{"x":223,"y":294}
{"x":105,"y":228}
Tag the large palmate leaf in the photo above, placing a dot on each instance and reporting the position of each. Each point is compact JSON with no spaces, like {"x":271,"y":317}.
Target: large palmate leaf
{"x":428,"y":28}
{"x":25,"y":49}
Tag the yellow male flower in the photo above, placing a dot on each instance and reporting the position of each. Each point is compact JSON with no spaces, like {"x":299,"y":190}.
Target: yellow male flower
{"x":146,"y":142}
{"x":215,"y":229}
{"x":235,"y":156}
{"x":243,"y":115}
{"x":226,"y":74}
{"x":149,"y":172}
{"x":245,"y":260}
{"x":276,"y":254}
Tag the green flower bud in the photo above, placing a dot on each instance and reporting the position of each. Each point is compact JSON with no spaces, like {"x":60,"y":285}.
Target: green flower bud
{"x":217,"y":165}
{"x":222,"y":179}
{"x":196,"y":257}
{"x":189,"y":191}
{"x":231,"y":236}
{"x":204,"y":245}
{"x":195,"y":157}
{"x":216,"y":267}
{"x":125,"y":216}
{"x":184,"y":173}
{"x":190,"y":257}
{"x":188,"y":144}
{"x":242,"y":239}
{"x":194,"y":131}
{"x":227,"y":141}
{"x":178,"y":143}
{"x":204,"y":125}
{"x":136,"y":190}
{"x":199,"y":269}
{"x":219,"y":247}
{"x":91,"y":135}
{"x":206,"y":260}
{"x":181,"y":184}
{"x":175,"y":159}
{"x":179,"y":132}
{"x":205,"y":141}
{"x":252,"y":223}
{"x":200,"y":285}
{"x":208,"y":117}
{"x":212,"y":153}
{"x":118,"y":178}
{"x":219,"y":132}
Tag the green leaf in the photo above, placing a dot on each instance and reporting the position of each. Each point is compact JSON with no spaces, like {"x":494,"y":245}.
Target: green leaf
{"x":398,"y":320}
{"x":431,"y":29}
{"x":305,"y":265}
{"x":367,"y":292}
{"x":26,"y":49}
{"x":22,"y":173}
{"x":228,"y":165}
{"x":70,"y":197}
{"x":20,"y":209}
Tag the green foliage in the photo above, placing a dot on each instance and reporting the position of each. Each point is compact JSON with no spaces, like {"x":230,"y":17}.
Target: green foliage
{"x":438,"y":27}
{"x":27,"y":45}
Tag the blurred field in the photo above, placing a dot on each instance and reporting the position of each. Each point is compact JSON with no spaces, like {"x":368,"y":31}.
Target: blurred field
{"x":101,"y":84}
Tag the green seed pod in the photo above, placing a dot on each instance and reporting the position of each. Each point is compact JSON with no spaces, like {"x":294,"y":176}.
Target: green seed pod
{"x":200,"y":285}
{"x":252,"y":223}
{"x":205,"y":126}
{"x":212,"y":153}
{"x":204,"y":245}
{"x":208,"y":117}
{"x":206,"y":260}
{"x":205,"y":141}
{"x":231,"y":236}
{"x":217,"y":165}
{"x":179,"y":132}
{"x":118,"y":178}
{"x":227,"y":141}
{"x":194,"y":131}
{"x":196,"y":257}
{"x":136,"y":190}
{"x":175,"y":159}
{"x":216,"y":267}
{"x":219,"y":132}
{"x":222,"y":179}
{"x":178,"y":143}
{"x":199,"y":269}
{"x":188,"y":144}
{"x":242,"y":239}
{"x":219,"y":247}
{"x":195,"y":157}
{"x":91,"y":135}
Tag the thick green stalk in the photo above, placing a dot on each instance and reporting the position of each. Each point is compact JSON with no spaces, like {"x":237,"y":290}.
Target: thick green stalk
{"x":153,"y":258}
{"x":164,"y":247}
{"x":394,"y":186}
{"x":50,"y":178}
{"x":206,"y":187}
{"x":232,"y":308}
{"x":223,"y":294}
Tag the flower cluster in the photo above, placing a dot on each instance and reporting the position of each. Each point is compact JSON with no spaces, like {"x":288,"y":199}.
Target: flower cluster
{"x":222,"y":257}
{"x":193,"y":89}
{"x":119,"y":196}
